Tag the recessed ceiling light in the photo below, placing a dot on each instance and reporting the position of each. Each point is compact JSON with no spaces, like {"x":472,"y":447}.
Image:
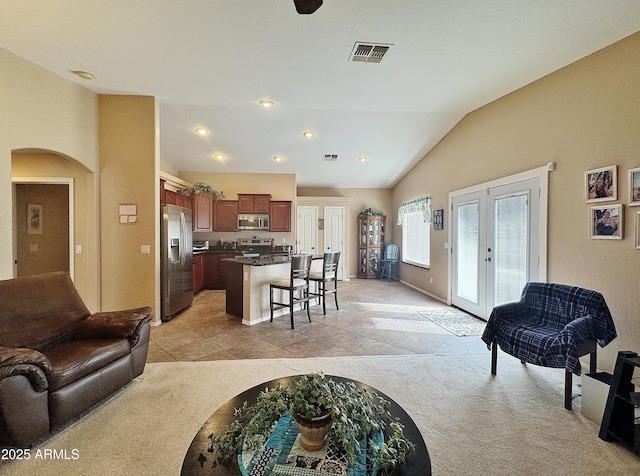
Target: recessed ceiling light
{"x":362,"y":159}
{"x":83,"y":74}
{"x":277,"y":158}
{"x":219,"y":156}
{"x":308,"y":134}
{"x":202,"y":131}
{"x":266,"y":103}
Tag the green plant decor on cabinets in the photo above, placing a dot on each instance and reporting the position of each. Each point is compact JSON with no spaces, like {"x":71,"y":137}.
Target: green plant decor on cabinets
{"x":201,"y":187}
{"x":355,"y":414}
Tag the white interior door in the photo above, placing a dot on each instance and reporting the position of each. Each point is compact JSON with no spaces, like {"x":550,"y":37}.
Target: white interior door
{"x":307,"y":230}
{"x":334,"y":234}
{"x":495,"y":245}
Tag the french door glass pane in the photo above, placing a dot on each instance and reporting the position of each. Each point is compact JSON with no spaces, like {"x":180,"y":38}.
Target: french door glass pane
{"x":467,"y":269}
{"x":510,"y":263}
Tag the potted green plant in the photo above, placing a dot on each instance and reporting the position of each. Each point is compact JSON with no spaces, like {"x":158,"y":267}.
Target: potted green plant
{"x":350,"y":414}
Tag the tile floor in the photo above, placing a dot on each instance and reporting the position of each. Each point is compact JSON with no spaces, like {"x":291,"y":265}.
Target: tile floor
{"x":375,"y":318}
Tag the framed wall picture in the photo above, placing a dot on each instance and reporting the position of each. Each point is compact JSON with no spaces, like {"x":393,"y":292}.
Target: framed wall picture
{"x":34,"y":219}
{"x":634,"y":187}
{"x":637,"y":230}
{"x":438,"y":219}
{"x":601,"y":184}
{"x":606,"y":222}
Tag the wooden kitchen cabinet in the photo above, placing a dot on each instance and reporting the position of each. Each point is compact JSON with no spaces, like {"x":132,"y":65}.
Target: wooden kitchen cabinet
{"x":280,"y":216}
{"x":253,"y":203}
{"x":222,"y":269}
{"x":197,"y":274}
{"x":225,"y":215}
{"x":210,"y":270}
{"x":202,"y":211}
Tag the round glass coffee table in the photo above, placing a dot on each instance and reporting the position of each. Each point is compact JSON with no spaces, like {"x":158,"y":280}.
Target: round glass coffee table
{"x":199,"y":462}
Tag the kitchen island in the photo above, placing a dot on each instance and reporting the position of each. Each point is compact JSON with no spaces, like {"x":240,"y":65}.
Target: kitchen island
{"x":247,"y":286}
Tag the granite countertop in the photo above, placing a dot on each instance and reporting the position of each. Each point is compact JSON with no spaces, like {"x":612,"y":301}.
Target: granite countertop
{"x":263,"y":260}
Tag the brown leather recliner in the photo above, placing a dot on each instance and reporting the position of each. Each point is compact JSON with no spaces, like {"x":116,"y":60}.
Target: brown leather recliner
{"x":56,"y":358}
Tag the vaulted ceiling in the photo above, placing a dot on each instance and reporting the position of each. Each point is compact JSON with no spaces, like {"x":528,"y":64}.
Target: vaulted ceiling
{"x":209,"y":63}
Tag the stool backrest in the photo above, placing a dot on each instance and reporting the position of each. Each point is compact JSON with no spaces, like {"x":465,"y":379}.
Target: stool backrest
{"x":330,"y":265}
{"x":300,"y":266}
{"x":392,"y":252}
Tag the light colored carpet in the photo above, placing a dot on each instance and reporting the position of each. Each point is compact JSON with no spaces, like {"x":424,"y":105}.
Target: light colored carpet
{"x":457,"y":322}
{"x":513,"y":424}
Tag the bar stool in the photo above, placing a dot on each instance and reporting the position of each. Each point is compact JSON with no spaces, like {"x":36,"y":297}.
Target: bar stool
{"x":389,"y":263}
{"x":329,"y":274}
{"x":298,"y":282}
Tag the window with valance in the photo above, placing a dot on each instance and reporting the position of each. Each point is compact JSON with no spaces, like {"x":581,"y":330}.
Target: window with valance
{"x":422,"y":204}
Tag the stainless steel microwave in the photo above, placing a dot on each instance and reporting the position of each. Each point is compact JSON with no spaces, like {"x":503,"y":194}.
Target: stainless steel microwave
{"x":253,"y":222}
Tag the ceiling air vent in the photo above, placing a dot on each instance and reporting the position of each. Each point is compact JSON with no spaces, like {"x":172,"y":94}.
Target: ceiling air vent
{"x":369,"y":52}
{"x":330,"y":157}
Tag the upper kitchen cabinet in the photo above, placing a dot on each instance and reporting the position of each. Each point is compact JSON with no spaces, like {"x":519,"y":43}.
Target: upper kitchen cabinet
{"x":253,"y":203}
{"x":225,"y":213}
{"x":280,"y":216}
{"x":202,"y":211}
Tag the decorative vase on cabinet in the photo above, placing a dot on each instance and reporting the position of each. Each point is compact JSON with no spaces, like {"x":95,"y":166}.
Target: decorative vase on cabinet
{"x":371,"y":240}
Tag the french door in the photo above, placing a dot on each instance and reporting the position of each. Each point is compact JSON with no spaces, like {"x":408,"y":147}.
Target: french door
{"x":495,"y":245}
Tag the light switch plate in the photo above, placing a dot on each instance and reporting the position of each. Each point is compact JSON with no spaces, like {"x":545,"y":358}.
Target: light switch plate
{"x":145,"y":249}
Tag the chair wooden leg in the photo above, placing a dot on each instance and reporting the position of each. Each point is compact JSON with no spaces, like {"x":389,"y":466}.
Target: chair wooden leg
{"x":568,"y":387}
{"x":335,"y":293}
{"x":306,"y":294}
{"x":291,"y":306}
{"x":494,"y":358}
{"x":271,"y":302}
{"x":324,"y":298}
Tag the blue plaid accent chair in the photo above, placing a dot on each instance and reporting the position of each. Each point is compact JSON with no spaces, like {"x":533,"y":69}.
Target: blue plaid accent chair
{"x":552,"y":325}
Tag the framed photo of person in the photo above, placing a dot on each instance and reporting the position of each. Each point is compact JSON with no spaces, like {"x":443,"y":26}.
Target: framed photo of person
{"x":601,"y":184}
{"x":634,"y":187}
{"x":606,"y":222}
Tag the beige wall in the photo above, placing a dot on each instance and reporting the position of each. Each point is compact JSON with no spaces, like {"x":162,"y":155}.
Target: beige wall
{"x":44,"y":165}
{"x":378,"y":200}
{"x":582,"y":117}
{"x":129,"y":175}
{"x":40,"y":110}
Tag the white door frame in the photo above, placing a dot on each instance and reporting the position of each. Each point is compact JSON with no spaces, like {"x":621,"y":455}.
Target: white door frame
{"x":44,"y":181}
{"x":540,"y":172}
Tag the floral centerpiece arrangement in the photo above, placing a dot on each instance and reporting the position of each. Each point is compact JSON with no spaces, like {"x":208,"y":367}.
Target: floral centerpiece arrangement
{"x":351,"y":415}
{"x":201,"y":187}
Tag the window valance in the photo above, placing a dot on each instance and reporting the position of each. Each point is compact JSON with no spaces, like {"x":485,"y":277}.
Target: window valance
{"x":422,"y":204}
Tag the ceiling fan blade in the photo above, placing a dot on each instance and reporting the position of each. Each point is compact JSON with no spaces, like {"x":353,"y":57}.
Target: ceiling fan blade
{"x":306,"y":7}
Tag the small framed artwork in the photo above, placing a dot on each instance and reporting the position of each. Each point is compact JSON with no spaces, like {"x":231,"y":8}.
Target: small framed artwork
{"x":438,"y":219}
{"x":637,"y":230}
{"x":34,"y":219}
{"x":601,"y":184}
{"x":606,"y":222}
{"x":634,"y":187}
{"x":320,"y":223}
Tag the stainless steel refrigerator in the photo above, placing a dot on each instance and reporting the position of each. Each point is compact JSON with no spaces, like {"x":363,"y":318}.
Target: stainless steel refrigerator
{"x":176,"y":245}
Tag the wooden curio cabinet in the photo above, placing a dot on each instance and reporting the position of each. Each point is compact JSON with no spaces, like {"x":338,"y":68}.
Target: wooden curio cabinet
{"x":371,"y":240}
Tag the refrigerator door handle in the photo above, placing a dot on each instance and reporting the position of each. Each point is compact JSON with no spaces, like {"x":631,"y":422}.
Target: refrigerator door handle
{"x":183,"y":237}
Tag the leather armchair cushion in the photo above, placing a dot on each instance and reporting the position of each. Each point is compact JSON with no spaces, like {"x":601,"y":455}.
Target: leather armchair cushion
{"x":78,"y":358}
{"x":115,"y":324}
